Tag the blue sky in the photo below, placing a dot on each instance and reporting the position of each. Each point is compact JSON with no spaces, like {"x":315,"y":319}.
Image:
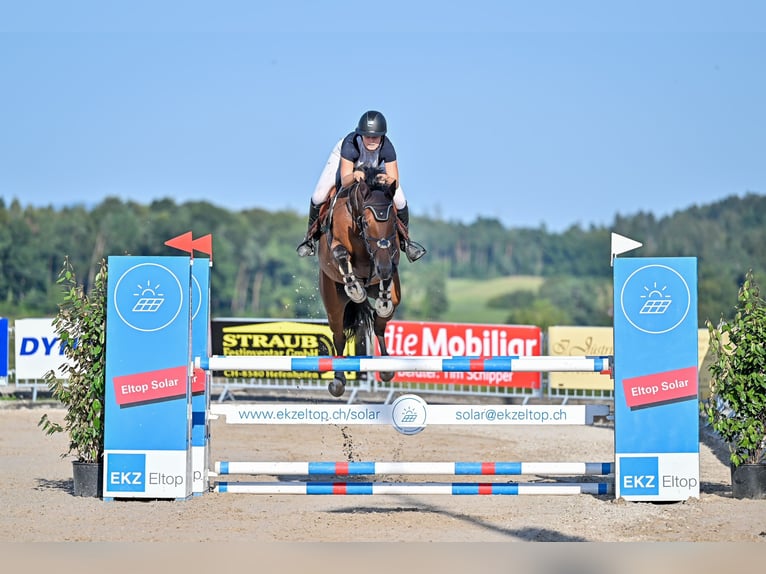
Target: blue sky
{"x":552,"y":113}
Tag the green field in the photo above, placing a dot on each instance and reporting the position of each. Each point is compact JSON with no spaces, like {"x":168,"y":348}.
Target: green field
{"x":468,"y":297}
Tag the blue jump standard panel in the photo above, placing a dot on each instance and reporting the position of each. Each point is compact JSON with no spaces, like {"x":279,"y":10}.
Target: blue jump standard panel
{"x":656,"y":379}
{"x":147,"y":438}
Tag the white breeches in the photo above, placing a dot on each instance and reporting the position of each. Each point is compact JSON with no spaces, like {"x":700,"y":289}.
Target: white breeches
{"x":327,"y":181}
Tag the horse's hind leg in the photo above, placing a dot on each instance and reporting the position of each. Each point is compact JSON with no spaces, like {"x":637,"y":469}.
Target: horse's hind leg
{"x":351,"y":284}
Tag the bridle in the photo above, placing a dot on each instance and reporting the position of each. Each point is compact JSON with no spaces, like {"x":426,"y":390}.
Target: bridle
{"x":382,"y":209}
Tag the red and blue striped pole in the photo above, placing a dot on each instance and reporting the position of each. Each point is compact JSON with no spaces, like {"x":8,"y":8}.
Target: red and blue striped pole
{"x":436,"y":468}
{"x":506,"y":364}
{"x":451,"y":488}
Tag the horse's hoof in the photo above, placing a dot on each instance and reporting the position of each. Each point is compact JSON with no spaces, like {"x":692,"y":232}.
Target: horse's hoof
{"x":386,"y":376}
{"x":384,"y":308}
{"x":336,"y":388}
{"x":355,"y":292}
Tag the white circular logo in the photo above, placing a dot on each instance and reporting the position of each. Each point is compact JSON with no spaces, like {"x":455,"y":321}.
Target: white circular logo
{"x":148,"y":297}
{"x":655,"y":299}
{"x":409,"y":414}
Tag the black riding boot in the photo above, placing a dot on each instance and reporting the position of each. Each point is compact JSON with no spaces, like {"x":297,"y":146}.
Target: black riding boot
{"x":412,"y":249}
{"x":308,"y":245}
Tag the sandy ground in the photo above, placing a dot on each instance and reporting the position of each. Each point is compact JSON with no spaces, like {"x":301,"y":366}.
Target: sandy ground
{"x":38,"y":504}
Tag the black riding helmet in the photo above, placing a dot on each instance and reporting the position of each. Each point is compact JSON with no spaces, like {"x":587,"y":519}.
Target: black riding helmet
{"x":371,"y":124}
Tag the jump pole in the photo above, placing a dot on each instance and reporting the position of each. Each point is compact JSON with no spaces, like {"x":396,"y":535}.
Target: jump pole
{"x":516,"y":364}
{"x":438,"y":468}
{"x":451,"y":488}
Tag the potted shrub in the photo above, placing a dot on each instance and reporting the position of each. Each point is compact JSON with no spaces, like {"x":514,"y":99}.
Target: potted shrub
{"x":81,"y":326}
{"x":737,"y":405}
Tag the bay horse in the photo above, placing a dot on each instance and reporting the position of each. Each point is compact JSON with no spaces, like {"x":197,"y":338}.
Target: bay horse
{"x":358,"y":266}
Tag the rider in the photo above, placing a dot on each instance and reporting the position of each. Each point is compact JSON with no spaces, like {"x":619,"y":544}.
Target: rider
{"x":369,"y":146}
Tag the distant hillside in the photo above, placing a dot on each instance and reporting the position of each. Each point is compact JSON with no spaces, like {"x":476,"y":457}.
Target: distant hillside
{"x":468,"y":298}
{"x":258,"y":274}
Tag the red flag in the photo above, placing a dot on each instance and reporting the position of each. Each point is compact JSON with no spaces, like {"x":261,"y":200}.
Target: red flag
{"x":204,"y":244}
{"x":184,"y":242}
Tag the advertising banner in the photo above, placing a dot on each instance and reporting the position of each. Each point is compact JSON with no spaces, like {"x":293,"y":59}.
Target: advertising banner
{"x":579,"y":341}
{"x":38,"y":349}
{"x":147,"y":438}
{"x":656,"y":379}
{"x":267,"y":337}
{"x":416,"y":338}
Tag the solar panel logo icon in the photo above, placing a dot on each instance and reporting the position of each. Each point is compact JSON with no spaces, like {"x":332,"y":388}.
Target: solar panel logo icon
{"x":409,"y":414}
{"x":148,"y":301}
{"x":148,"y":297}
{"x":655,"y":299}
{"x":657,"y":302}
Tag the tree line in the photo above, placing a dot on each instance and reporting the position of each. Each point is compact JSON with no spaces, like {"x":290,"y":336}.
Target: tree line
{"x":257,"y":273}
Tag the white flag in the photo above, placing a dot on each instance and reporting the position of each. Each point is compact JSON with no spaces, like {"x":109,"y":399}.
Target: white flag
{"x":622,"y":244}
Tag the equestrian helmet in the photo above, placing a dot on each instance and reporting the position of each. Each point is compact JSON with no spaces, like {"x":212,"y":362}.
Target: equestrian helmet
{"x":371,"y":124}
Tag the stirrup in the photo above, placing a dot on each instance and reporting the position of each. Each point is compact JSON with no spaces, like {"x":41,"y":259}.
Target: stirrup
{"x":307,"y":248}
{"x":414,"y":250}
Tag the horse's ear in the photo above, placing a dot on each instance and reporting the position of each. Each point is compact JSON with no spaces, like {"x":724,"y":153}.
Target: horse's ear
{"x":392,"y":187}
{"x":364,"y":188}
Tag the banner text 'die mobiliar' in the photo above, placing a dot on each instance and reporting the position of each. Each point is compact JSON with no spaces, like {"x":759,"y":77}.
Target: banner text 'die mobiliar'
{"x":427,"y":339}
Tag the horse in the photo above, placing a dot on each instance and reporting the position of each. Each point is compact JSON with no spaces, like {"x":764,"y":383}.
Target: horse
{"x":358,"y":266}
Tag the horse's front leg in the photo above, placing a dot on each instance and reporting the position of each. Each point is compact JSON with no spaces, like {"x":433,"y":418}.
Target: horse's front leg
{"x":351,"y":284}
{"x":335,"y":311}
{"x":380,"y":329}
{"x":337,"y":386}
{"x":384,"y":305}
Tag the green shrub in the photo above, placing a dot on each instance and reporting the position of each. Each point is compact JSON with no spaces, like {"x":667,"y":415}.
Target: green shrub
{"x":81,"y":327}
{"x":737,"y":405}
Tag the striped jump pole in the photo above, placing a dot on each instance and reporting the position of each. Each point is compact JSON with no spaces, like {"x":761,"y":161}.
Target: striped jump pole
{"x":452,"y":488}
{"x":442,"y":468}
{"x":505,"y":364}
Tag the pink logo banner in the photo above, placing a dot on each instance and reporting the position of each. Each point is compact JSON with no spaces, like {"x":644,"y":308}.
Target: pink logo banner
{"x":660,"y":388}
{"x":151,"y":386}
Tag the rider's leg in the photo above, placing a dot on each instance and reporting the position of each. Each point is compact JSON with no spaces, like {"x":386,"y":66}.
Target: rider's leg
{"x":321,"y":192}
{"x":412,"y":249}
{"x":308,"y":245}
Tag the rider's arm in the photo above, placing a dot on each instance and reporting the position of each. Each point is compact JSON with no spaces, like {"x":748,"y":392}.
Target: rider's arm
{"x":347,"y":174}
{"x":392,"y":172}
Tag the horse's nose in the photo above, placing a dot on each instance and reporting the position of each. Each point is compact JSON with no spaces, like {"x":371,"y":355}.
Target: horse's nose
{"x":384,"y":267}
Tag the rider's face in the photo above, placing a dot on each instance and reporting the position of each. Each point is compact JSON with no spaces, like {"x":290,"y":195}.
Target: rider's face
{"x":371,"y":142}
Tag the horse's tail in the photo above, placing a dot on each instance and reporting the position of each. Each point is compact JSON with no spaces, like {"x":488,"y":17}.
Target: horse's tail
{"x":358,"y":322}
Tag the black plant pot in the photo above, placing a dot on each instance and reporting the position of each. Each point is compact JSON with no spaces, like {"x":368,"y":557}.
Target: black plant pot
{"x":88,"y":478}
{"x":748,"y":481}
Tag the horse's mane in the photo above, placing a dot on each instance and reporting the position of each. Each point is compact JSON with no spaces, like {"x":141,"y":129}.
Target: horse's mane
{"x":371,"y":177}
